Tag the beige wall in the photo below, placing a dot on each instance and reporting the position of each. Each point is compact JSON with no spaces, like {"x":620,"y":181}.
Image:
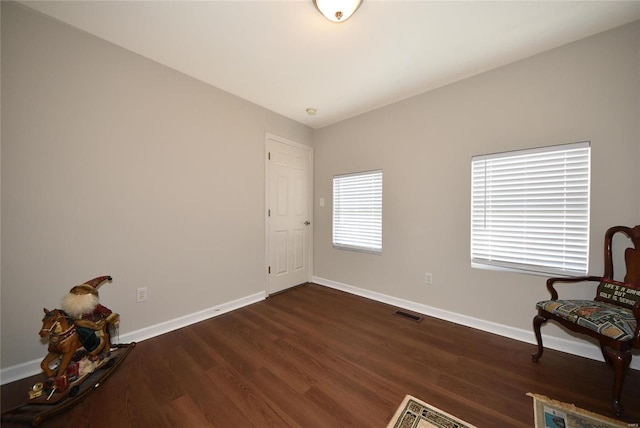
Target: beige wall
{"x":589,"y":90}
{"x":113,"y":164}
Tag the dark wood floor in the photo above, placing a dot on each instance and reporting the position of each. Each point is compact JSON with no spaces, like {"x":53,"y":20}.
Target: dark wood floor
{"x":317,"y":357}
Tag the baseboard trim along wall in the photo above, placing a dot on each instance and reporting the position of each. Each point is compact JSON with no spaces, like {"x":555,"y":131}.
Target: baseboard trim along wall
{"x":579,"y":348}
{"x":583,"y":349}
{"x":30,"y":368}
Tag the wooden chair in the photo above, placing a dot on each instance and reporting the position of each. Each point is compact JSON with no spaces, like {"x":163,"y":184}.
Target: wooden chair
{"x":612,"y":317}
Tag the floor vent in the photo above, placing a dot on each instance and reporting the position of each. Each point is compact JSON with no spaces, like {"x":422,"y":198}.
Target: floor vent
{"x":407,"y":315}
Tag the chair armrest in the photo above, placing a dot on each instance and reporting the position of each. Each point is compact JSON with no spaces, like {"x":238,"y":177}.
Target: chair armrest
{"x":551,"y":281}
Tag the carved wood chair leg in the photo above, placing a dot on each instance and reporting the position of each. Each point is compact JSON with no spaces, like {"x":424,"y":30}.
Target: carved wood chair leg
{"x":537,"y":323}
{"x":620,"y":362}
{"x":606,"y":356}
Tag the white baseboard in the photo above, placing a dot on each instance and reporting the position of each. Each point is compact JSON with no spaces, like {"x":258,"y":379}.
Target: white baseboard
{"x":579,"y":348}
{"x":30,"y":368}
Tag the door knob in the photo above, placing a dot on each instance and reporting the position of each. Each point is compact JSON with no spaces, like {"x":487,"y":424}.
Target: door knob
{"x":307,"y":223}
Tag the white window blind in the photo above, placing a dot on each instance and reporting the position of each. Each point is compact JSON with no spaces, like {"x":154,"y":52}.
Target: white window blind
{"x":530,"y":210}
{"x":357,"y":211}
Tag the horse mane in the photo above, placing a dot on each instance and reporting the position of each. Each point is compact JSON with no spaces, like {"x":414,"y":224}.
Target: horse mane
{"x":60,"y":311}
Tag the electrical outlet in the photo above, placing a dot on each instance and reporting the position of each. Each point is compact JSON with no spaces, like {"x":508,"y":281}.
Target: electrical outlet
{"x":141,"y":294}
{"x":428,"y":278}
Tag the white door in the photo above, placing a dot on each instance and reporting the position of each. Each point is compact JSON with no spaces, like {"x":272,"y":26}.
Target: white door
{"x":289,"y":206}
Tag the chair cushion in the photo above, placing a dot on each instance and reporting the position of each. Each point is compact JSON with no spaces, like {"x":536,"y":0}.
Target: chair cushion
{"x":609,"y":320}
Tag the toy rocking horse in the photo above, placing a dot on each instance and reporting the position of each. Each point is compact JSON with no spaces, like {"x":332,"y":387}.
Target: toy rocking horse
{"x":78,"y":335}
{"x":59,"y":329}
{"x":81,"y":323}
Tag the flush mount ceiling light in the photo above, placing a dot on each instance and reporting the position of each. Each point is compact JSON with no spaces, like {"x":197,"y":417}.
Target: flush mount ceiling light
{"x":337,"y":10}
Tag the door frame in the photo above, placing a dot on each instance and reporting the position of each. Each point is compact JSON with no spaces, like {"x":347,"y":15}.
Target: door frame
{"x":275,"y":138}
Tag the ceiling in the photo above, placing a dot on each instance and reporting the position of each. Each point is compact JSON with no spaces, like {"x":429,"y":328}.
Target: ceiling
{"x":286,"y":57}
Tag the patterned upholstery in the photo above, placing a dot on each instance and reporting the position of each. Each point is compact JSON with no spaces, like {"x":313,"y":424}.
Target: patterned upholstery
{"x":607,"y":319}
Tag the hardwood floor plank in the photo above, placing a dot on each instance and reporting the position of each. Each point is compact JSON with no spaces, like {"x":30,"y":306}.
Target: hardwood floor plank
{"x":185,"y":412}
{"x":317,"y":357}
{"x":212,"y":402}
{"x":305,"y":412}
{"x":166,"y":387}
{"x":257,"y":409}
{"x":342,"y":415}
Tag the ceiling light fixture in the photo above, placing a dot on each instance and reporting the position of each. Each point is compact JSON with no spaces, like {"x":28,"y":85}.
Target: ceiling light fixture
{"x":311,"y":111}
{"x":337,"y":10}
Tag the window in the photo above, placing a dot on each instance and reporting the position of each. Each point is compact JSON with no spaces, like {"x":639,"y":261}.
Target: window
{"x":530,"y":210}
{"x":357,"y":211}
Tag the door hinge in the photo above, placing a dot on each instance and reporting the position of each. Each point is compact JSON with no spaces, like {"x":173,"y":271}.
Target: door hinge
{"x":269,"y":213}
{"x":268,"y":155}
{"x":269,"y":269}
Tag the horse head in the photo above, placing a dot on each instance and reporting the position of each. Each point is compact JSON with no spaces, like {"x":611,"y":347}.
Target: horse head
{"x":47,"y":322}
{"x":54,"y":323}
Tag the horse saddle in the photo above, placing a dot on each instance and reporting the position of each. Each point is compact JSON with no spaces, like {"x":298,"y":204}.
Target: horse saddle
{"x":89,"y":338}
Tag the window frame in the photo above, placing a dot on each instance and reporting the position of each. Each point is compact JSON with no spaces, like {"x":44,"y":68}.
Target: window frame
{"x":540,"y":252}
{"x":345,"y":235}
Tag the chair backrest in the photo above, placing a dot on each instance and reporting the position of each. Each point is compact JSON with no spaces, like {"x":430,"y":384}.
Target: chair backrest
{"x":631,"y":255}
{"x":625,"y":293}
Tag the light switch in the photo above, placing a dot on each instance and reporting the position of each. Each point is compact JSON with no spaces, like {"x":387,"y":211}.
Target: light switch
{"x":322,"y":202}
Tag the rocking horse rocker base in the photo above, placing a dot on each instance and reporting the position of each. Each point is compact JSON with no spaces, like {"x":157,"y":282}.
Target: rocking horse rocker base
{"x":51,"y":400}
{"x":80,"y":343}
